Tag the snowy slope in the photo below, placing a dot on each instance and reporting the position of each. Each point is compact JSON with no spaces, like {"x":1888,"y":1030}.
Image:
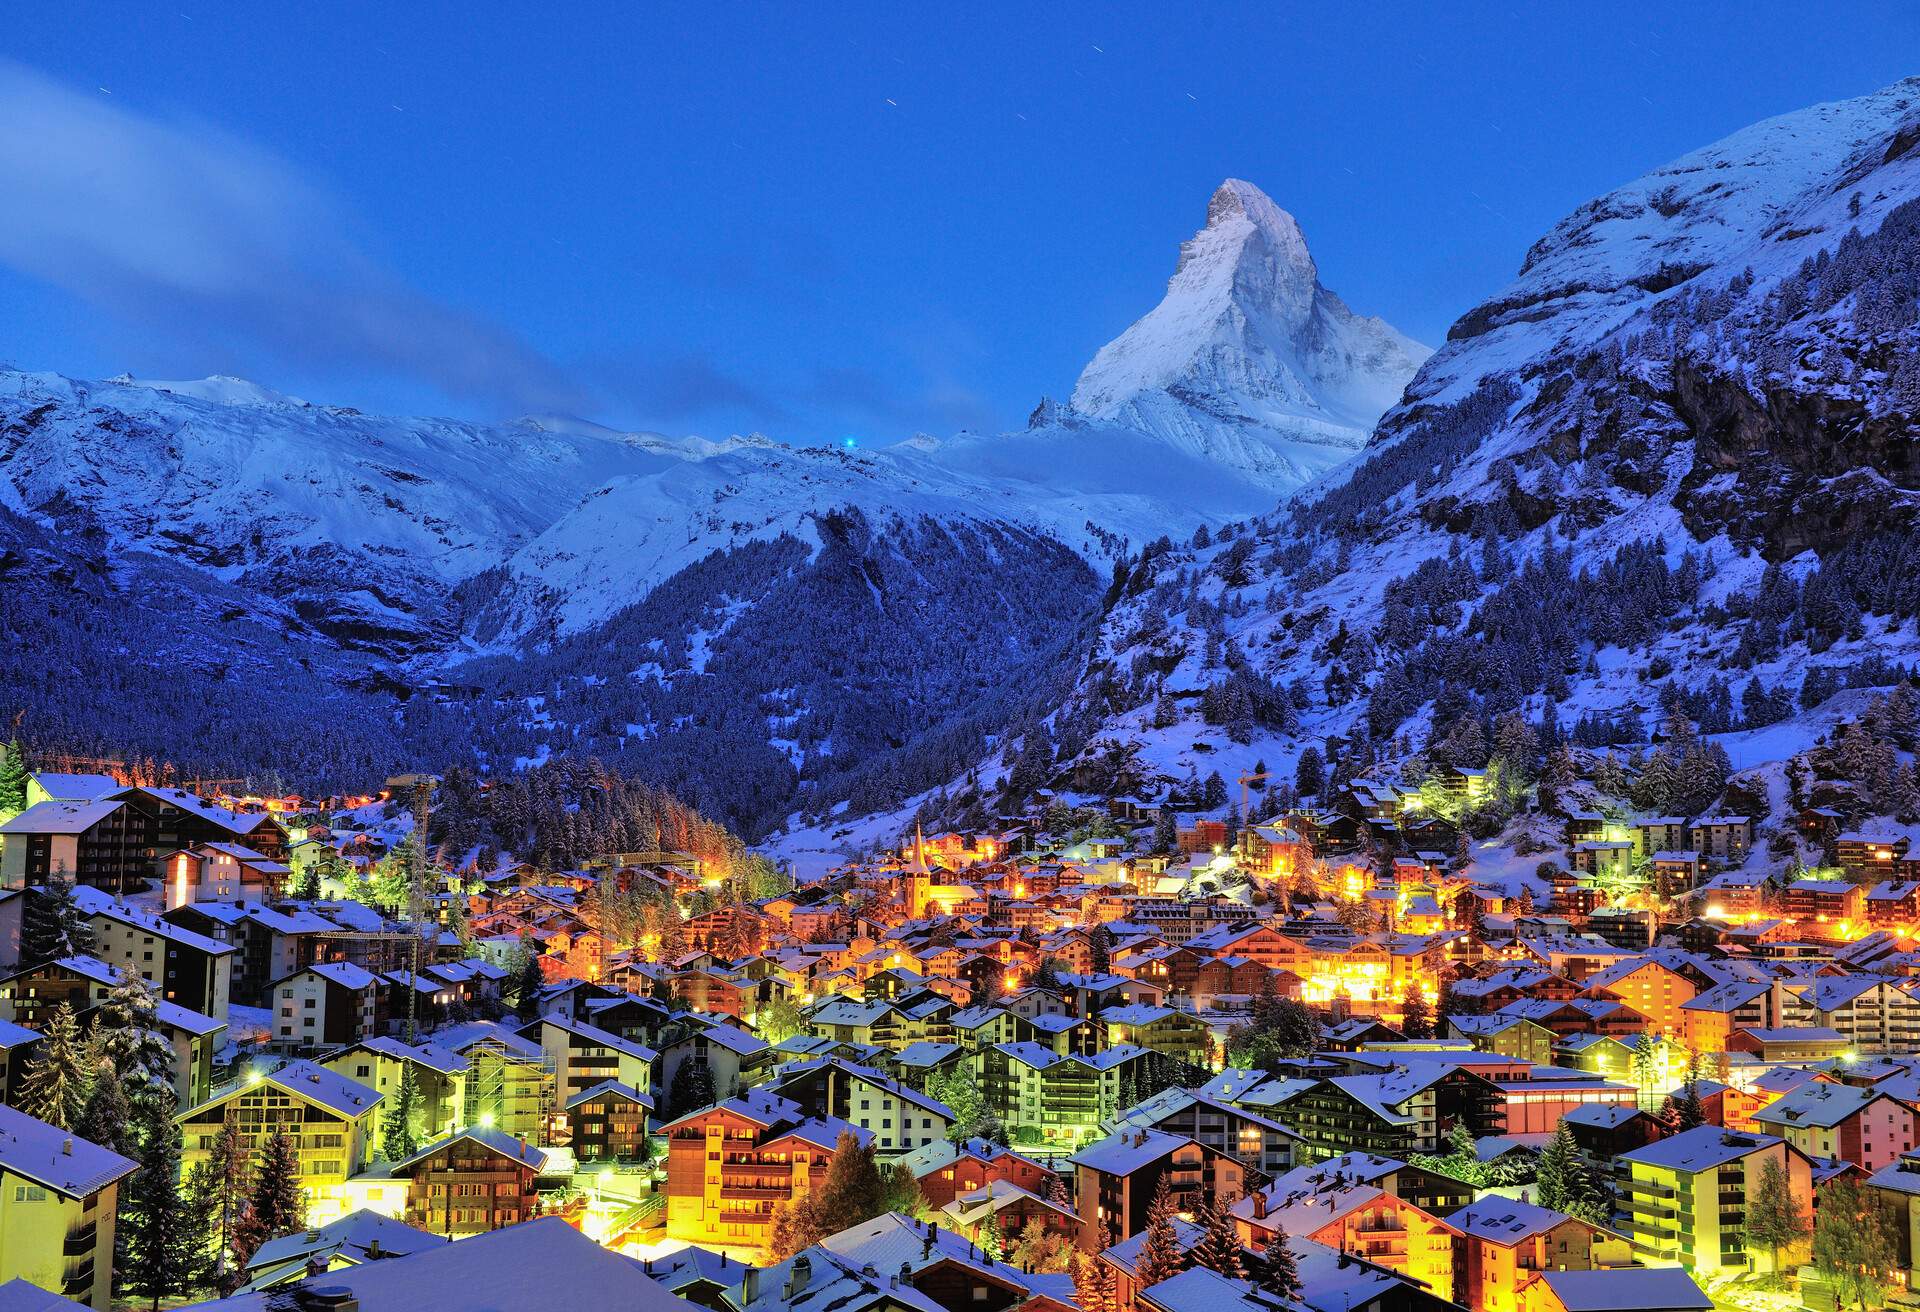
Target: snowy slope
{"x":1715,"y":366}
{"x":357,"y":523}
{"x":1764,"y":199}
{"x":1249,"y":361}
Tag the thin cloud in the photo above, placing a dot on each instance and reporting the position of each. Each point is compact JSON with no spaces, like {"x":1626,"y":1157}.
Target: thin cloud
{"x":185,"y":228}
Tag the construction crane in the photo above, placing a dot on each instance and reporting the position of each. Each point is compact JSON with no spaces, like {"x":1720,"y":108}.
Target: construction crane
{"x":1258,"y":776}
{"x":419,"y":789}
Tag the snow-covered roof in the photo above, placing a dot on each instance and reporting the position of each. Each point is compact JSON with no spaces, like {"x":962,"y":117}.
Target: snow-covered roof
{"x":510,"y":1268}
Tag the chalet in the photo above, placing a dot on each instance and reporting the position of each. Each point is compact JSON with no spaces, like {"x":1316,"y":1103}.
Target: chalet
{"x":1176,"y":1034}
{"x":1260,"y":1143}
{"x":1723,"y":838}
{"x":734,"y":1056}
{"x":584,"y":1056}
{"x":268,"y":944}
{"x":1872,"y":1012}
{"x":947,"y":1170}
{"x":1702,"y":1167}
{"x":730,"y":1165}
{"x":1118,"y":1176}
{"x":87,"y":842}
{"x":1864,"y":1126}
{"x":1893,"y":902}
{"x":999,"y":1209}
{"x":222,"y":872}
{"x":928,"y":1266}
{"x":356,"y":1238}
{"x":1509,"y":1036}
{"x":1509,"y":1241}
{"x":1602,"y":859}
{"x":476,"y":1181}
{"x":83,"y":983}
{"x":1360,"y":1219}
{"x":439,"y":1082}
{"x":1820,"y":901}
{"x":58,"y":1210}
{"x":608,"y":1123}
{"x":898,"y":1118}
{"x":1789,"y":1043}
{"x":323,"y":1113}
{"x":1862,"y":856}
{"x":1676,"y":871}
{"x":183,"y":967}
{"x":1665,"y":833}
{"x":1646,"y":1289}
{"x":328,"y":1005}
{"x":1652,"y":988}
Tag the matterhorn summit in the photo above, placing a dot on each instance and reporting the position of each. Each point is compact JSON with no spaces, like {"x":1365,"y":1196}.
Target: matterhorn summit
{"x":1248,"y":360}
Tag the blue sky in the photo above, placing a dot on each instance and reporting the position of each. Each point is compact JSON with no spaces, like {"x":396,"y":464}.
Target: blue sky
{"x":811,"y":220}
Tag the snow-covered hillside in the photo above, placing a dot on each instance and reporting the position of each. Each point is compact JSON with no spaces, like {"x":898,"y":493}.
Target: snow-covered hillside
{"x":559,"y":586}
{"x":1671,"y":465}
{"x":1249,"y":361}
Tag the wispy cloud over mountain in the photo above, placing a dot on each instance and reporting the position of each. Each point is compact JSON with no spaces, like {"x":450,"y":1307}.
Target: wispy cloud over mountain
{"x":180,"y":227}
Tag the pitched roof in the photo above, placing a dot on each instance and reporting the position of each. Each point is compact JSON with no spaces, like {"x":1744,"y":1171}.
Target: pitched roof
{"x":507,"y":1145}
{"x":1504,"y":1220}
{"x":50,"y":1156}
{"x":514,"y":1267}
{"x":60,"y":817}
{"x":1653,"y":1288}
{"x":1699,"y":1149}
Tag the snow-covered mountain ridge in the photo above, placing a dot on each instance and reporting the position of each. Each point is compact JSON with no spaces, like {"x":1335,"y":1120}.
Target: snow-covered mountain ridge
{"x":559,"y":586}
{"x":1672,"y":464}
{"x":1248,"y":360}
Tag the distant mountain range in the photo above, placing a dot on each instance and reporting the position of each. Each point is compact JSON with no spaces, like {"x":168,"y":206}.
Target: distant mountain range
{"x":513,"y":562}
{"x":1673,"y":459}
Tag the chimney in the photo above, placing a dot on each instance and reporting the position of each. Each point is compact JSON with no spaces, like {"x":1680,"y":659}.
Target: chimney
{"x":66,"y":1148}
{"x":326,"y":1298}
{"x":1259,"y":1205}
{"x":799,"y":1276}
{"x":749,"y":1285}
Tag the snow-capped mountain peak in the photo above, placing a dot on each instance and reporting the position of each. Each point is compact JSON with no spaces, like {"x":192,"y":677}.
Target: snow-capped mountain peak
{"x":1248,"y":360}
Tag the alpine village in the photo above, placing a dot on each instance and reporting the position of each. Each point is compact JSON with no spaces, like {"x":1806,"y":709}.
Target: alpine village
{"x":1276,"y":1044}
{"x":1311,"y":823}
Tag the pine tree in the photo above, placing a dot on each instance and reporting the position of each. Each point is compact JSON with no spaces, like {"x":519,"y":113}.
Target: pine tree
{"x":852,"y":1191}
{"x":528,"y":980}
{"x":900,"y":1191}
{"x":1219,"y":1246}
{"x":1688,"y":1111}
{"x":55,"y":1087}
{"x":13,"y":780}
{"x":1855,"y":1242}
{"x":1773,"y":1217}
{"x":1416,"y":1016}
{"x":1279,"y":1273}
{"x":200,"y":1196}
{"x":307,"y":887}
{"x":1094,"y":1287}
{"x":107,"y":1118}
{"x":1555,"y":1174}
{"x":1160,"y":1257}
{"x":691,"y":1088}
{"x":161,"y":1262}
{"x":127,"y":1036}
{"x":276,"y":1205}
{"x":397,"y":1140}
{"x":227,"y":1163}
{"x":51,"y":925}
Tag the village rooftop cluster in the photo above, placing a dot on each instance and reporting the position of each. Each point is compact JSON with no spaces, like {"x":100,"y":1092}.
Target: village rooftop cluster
{"x":1313,"y":1049}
